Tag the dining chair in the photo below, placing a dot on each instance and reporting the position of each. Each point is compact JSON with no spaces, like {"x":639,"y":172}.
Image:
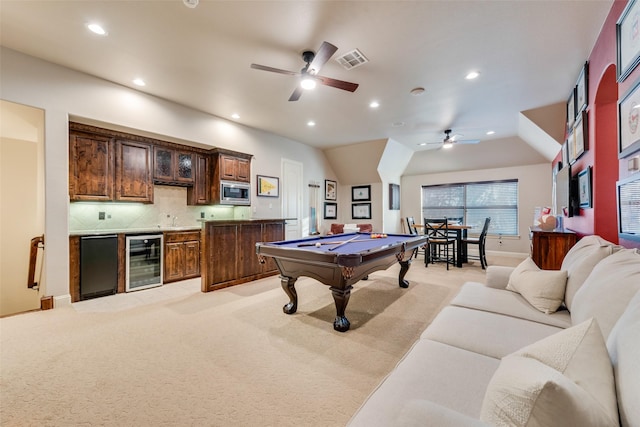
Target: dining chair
{"x":439,"y":241}
{"x":411,"y":226}
{"x":480,"y":241}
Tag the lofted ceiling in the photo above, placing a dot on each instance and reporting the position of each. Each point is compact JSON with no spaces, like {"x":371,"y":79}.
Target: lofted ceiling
{"x":528,"y":54}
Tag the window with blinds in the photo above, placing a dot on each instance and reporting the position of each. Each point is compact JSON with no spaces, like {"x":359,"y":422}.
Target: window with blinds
{"x":472,"y":202}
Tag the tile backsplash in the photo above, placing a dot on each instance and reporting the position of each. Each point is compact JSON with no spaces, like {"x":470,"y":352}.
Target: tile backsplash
{"x":169,"y":209}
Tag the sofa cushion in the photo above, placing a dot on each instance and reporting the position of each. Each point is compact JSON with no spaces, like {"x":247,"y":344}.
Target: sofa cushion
{"x":490,"y":334}
{"x":479,"y":297}
{"x":608,"y":289}
{"x":624,"y":349}
{"x":566,"y":376}
{"x":543,"y":289}
{"x":581,"y":259}
{"x":446,"y":375}
{"x":421,"y":413}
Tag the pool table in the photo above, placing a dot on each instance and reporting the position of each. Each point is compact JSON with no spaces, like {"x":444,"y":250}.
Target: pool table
{"x":338,"y":261}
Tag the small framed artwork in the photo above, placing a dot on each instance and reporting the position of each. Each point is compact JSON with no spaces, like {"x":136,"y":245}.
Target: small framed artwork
{"x":268,"y":186}
{"x":394,"y":197}
{"x":361,"y":193}
{"x":629,"y":123}
{"x":361,"y":211}
{"x":330,"y":210}
{"x":571,"y":148}
{"x":571,"y":108}
{"x":582,"y":89}
{"x":628,"y":40}
{"x":584,"y":187}
{"x":581,"y":139}
{"x":565,"y":153}
{"x":330,"y":190}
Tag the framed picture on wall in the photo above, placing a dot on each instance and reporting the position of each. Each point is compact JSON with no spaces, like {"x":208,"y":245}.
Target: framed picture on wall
{"x":361,"y":211}
{"x":629,"y":122}
{"x":565,"y":153}
{"x":330,"y":190}
{"x":580,"y":130}
{"x":361,"y":193}
{"x":628,"y":40}
{"x":582,"y":89}
{"x":571,"y":109}
{"x":268,"y":186}
{"x":571,"y":148}
{"x":330,"y":210}
{"x":584,"y":187}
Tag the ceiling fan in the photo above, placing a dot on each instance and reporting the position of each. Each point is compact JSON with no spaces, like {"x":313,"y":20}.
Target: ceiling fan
{"x":449,"y":140}
{"x":309,"y":74}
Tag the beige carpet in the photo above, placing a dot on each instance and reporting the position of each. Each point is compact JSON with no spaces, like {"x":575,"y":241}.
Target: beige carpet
{"x":229,"y":357}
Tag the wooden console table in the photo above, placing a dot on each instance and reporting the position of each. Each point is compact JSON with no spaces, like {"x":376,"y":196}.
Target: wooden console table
{"x":548,"y":248}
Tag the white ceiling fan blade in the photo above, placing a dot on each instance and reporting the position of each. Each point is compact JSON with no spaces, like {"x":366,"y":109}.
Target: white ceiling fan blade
{"x":467,"y":141}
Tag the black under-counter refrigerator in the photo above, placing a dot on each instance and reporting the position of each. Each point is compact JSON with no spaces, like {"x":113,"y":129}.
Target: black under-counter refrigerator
{"x":98,"y":266}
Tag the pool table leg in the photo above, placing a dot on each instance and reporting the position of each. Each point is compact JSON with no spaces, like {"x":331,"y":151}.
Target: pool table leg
{"x":341,"y":298}
{"x":404,"y":267}
{"x":288,"y":284}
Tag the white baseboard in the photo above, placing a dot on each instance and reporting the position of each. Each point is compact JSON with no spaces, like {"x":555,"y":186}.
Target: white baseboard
{"x":62,"y":301}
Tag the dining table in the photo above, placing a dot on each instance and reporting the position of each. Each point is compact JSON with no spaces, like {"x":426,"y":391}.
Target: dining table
{"x":461,"y":233}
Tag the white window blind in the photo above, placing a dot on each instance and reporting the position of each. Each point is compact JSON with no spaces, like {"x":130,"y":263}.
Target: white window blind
{"x":473,"y":202}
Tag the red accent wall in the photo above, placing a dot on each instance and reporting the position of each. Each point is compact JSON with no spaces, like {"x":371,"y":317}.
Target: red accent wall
{"x":602,"y":155}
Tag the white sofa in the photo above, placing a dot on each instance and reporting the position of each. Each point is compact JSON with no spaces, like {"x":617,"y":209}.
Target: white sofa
{"x":492,"y":358}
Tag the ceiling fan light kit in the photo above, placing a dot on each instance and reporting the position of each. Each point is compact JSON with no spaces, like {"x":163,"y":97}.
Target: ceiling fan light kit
{"x":314,"y":62}
{"x":449,"y":140}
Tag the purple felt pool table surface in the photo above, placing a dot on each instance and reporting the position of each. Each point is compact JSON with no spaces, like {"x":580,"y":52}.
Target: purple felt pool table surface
{"x":339,"y":261}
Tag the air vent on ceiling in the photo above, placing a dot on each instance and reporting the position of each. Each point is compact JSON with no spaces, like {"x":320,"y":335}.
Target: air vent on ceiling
{"x":352,"y":59}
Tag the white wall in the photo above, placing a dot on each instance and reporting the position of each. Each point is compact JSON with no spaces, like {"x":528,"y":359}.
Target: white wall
{"x":63,"y":93}
{"x":534,"y":189}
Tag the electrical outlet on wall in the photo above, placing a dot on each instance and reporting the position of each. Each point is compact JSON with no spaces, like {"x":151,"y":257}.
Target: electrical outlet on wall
{"x":101,"y":215}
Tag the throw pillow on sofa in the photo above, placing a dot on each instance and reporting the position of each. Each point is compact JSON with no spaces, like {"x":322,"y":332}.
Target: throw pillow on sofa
{"x":608,"y":289}
{"x":567,"y":376}
{"x":543,"y":289}
{"x":581,"y":259}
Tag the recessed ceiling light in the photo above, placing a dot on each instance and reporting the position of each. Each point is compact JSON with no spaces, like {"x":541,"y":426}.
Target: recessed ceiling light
{"x":374,"y":104}
{"x":190,"y":3}
{"x":491,"y":132}
{"x":422,"y":144}
{"x":417,"y":91}
{"x":311,"y":123}
{"x":139,"y":82}
{"x":97,"y":29}
{"x":472,"y":75}
{"x":235,"y":116}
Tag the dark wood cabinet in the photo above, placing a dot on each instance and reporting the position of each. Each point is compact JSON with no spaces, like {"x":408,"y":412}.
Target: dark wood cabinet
{"x":133,"y":181}
{"x":181,"y":255}
{"x":548,"y":248}
{"x":172,"y":166}
{"x":234,"y":168}
{"x":199,"y":193}
{"x":91,"y":167}
{"x":229,"y":251}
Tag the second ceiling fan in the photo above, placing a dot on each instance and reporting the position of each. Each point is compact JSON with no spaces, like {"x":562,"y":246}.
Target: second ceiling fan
{"x":449,"y":140}
{"x":309,"y":74}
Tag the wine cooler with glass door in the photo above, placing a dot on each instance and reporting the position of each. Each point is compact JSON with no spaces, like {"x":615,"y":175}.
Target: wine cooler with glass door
{"x":144,"y":262}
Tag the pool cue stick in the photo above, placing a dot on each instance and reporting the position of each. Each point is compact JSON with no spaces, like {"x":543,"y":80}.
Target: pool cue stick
{"x":322,"y":243}
{"x":344,"y":243}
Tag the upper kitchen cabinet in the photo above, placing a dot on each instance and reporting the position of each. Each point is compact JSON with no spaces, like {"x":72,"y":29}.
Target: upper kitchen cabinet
{"x":133,"y":181}
{"x":199,"y":193}
{"x":173,"y":167}
{"x":232,"y":166}
{"x":91,"y":167}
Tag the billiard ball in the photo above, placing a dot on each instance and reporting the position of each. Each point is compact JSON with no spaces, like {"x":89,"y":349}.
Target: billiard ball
{"x":318,"y":244}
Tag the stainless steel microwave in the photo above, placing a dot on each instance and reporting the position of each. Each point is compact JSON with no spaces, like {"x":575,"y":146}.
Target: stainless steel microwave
{"x":235,"y":193}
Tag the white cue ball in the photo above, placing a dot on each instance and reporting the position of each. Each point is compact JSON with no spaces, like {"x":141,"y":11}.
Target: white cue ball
{"x":318,"y":244}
